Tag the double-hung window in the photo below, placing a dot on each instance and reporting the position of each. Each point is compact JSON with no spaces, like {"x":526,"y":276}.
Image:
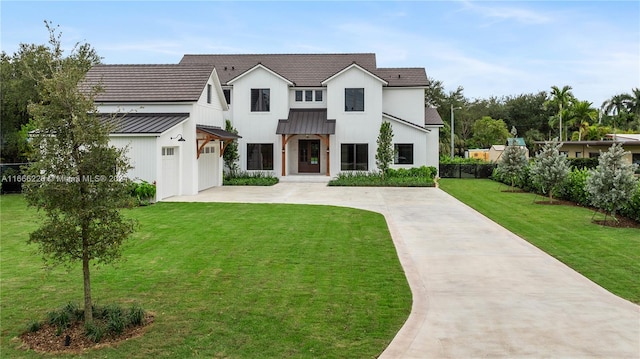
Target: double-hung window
{"x":260,"y":156}
{"x":354,"y":157}
{"x":260,"y":100}
{"x":403,"y":154}
{"x":353,"y":99}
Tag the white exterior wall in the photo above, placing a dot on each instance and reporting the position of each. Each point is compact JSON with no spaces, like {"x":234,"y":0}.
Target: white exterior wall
{"x":433,"y":147}
{"x":405,"y":134}
{"x":404,"y":103}
{"x":140,"y":150}
{"x":307,"y":104}
{"x":259,"y":127}
{"x":356,"y":126}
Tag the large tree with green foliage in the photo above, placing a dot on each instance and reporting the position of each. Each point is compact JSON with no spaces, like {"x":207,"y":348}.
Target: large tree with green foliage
{"x":549,"y":168}
{"x":75,"y":177}
{"x":385,"y":152}
{"x":488,"y":131}
{"x":560,"y":99}
{"x":612,"y":184}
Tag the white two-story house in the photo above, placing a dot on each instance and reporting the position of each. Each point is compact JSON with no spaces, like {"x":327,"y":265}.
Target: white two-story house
{"x":296,"y":114}
{"x":321,"y":113}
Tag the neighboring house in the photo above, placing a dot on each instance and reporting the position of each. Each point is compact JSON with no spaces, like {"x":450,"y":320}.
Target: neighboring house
{"x":495,"y":152}
{"x":481,"y":154}
{"x":296,"y":114}
{"x":171,"y":118}
{"x":590,"y":149}
{"x":321,"y":113}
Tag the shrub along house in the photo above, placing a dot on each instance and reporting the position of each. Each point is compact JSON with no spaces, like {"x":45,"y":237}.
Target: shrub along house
{"x":297,"y":114}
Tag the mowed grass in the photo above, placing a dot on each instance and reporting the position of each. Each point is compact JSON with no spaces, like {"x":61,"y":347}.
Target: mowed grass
{"x":224,"y":281}
{"x":608,"y":256}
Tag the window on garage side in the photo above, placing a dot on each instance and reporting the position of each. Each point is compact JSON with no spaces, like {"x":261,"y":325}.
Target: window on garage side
{"x":260,"y":156}
{"x":353,"y":99}
{"x":260,"y":100}
{"x":354,"y":157}
{"x":403,"y":153}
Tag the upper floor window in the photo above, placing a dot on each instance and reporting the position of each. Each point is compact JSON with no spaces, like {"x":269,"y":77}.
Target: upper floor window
{"x":260,"y":100}
{"x":354,"y":99}
{"x":227,"y":95}
{"x":209,"y":93}
{"x":308,"y":95}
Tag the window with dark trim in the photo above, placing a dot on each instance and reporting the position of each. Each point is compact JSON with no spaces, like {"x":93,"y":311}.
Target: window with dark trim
{"x":298,"y":95}
{"x":227,"y":95}
{"x":260,"y":156}
{"x":318,"y":95}
{"x":354,"y":157}
{"x":403,"y":153}
{"x":635,"y":158}
{"x":208,"y":93}
{"x":308,"y":95}
{"x":353,"y":99}
{"x":260,"y":100}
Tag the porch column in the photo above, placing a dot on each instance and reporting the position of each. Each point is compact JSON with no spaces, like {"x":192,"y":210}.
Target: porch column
{"x":284,"y":154}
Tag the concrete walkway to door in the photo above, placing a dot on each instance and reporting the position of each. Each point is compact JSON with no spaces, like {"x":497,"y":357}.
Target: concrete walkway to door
{"x":479,"y":291}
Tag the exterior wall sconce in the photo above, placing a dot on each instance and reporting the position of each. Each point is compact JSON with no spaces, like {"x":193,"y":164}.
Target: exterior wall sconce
{"x":179,"y":137}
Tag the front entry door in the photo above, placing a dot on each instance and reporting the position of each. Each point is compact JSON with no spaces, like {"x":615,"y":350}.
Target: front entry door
{"x":309,"y":156}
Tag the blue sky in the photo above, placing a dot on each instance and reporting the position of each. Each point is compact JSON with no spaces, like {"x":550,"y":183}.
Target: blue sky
{"x":490,"y":48}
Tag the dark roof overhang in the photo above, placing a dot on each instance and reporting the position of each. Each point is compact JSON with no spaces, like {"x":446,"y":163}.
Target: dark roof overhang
{"x":217,"y":132}
{"x":306,"y":122}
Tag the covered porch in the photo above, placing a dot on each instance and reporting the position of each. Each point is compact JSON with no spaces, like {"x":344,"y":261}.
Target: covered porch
{"x":306,"y":142}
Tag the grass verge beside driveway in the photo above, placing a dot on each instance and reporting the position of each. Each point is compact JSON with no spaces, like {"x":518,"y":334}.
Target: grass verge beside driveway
{"x":225,"y":281}
{"x":608,"y":256}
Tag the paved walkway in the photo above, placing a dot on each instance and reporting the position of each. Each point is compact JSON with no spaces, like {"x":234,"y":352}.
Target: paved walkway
{"x":479,"y":291}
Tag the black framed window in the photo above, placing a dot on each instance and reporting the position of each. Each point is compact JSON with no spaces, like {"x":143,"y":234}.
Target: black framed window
{"x":354,"y":99}
{"x":403,"y":153}
{"x":308,"y":96}
{"x":298,"y":95}
{"x":318,"y":95}
{"x":260,"y":156}
{"x":209,"y":93}
{"x":635,"y":158}
{"x":227,"y":95}
{"x":260,"y":100}
{"x":354,"y":157}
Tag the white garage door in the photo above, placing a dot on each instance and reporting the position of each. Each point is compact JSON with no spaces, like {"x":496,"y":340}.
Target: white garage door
{"x":170,"y":168}
{"x":207,"y":168}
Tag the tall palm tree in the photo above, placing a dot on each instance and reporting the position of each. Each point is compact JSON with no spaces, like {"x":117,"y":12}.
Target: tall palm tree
{"x":560,"y":99}
{"x":633,"y":103}
{"x":616,"y":107}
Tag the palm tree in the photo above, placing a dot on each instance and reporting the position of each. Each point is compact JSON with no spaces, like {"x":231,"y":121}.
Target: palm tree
{"x":633,"y":102}
{"x":581,"y":114}
{"x":616,"y":106}
{"x":560,"y":98}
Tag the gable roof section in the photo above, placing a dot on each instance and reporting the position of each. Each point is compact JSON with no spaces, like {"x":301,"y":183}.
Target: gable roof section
{"x":432,"y":117}
{"x":405,"y":122}
{"x":307,"y":70}
{"x":260,"y":66}
{"x":217,"y":132}
{"x":306,"y":122}
{"x":356,"y":66}
{"x":149,"y":83}
{"x":143,"y":123}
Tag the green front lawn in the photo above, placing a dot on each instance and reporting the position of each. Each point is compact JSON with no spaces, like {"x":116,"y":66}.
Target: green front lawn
{"x":225,"y":281}
{"x":608,"y":256}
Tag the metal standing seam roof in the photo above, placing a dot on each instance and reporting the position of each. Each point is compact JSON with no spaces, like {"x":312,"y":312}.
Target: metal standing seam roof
{"x":149,"y":83}
{"x":217,"y":131}
{"x":307,"y":70}
{"x":306,"y":122}
{"x":143,"y":123}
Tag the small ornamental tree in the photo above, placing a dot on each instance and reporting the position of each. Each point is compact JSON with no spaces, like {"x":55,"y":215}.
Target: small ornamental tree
{"x":75,"y":177}
{"x":231,"y":155}
{"x":385,"y":153}
{"x":612,"y":184}
{"x":512,"y":163}
{"x":550,"y":168}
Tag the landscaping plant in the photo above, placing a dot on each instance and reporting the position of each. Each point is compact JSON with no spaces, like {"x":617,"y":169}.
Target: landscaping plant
{"x":549,"y":168}
{"x":512,"y":163}
{"x":385,"y":152}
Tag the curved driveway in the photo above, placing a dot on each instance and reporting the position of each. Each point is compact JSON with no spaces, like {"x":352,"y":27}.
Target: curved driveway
{"x":479,"y":291}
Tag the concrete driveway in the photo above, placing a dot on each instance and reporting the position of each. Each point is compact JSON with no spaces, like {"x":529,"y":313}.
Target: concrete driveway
{"x":479,"y":291}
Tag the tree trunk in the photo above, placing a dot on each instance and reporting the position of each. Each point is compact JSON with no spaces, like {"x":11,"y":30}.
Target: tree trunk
{"x":88,"y":305}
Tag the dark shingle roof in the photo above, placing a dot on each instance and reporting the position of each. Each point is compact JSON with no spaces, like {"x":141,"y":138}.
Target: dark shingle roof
{"x":432,"y":117}
{"x":143,"y":123}
{"x":149,"y":83}
{"x":307,"y":70}
{"x":306,"y":122}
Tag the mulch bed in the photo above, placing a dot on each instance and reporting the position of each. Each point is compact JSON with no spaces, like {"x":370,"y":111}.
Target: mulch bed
{"x":45,"y":340}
